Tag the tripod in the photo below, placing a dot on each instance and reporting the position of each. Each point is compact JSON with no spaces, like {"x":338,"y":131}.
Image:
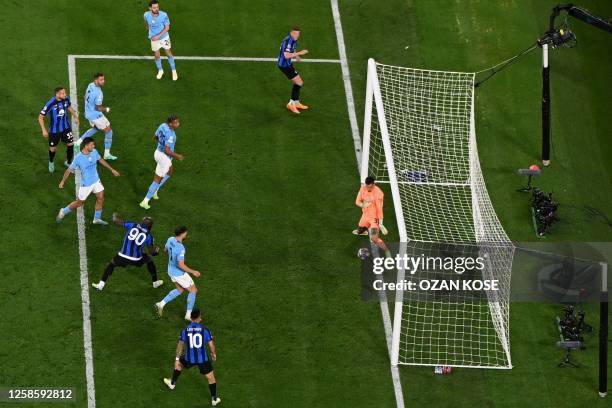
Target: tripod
{"x":568,"y":346}
{"x":567,"y":362}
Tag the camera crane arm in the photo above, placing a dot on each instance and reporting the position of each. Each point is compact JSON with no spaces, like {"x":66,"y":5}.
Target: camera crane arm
{"x":581,"y":14}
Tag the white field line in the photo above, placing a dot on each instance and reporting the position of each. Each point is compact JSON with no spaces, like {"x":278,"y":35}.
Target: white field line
{"x":350,"y":102}
{"x":85,"y":303}
{"x":346,"y":78}
{"x":199,"y":58}
{"x":80,"y":216}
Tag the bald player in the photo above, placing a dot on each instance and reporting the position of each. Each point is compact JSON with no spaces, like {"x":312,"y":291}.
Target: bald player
{"x":370,"y":199}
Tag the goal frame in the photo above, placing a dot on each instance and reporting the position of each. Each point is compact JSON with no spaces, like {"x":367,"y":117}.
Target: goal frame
{"x":373,"y":96}
{"x":373,"y":101}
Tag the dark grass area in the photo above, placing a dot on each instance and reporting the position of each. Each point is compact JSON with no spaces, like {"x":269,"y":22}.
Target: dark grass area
{"x":268,"y":198}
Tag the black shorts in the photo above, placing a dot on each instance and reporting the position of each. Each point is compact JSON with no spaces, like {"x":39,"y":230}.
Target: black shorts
{"x":122,"y":262}
{"x":205,"y":368}
{"x":289,"y":71}
{"x":65,"y":136}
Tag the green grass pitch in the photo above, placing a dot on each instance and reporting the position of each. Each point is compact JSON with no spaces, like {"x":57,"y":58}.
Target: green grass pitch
{"x":269,"y":198}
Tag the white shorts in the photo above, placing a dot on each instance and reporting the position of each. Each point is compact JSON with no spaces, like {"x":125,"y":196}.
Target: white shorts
{"x":84,"y":192}
{"x":101,"y":123}
{"x":159,"y":44}
{"x":184,"y":280}
{"x":163,"y":163}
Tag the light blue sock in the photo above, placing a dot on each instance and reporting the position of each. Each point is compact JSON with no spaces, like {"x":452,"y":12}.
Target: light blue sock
{"x":161,"y":183}
{"x":89,"y":133}
{"x":108,"y":139}
{"x":171,"y":296}
{"x":66,"y":210}
{"x":152,"y":190}
{"x":190,"y":300}
{"x":171,"y":62}
{"x":158,"y":64}
{"x":98,"y":214}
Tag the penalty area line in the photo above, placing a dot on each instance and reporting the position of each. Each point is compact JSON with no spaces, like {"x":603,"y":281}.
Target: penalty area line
{"x":80,"y":216}
{"x":350,"y":103}
{"x":198,"y":58}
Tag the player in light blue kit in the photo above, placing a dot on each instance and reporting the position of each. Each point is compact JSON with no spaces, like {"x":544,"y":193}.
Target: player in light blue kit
{"x":164,"y":153}
{"x":158,"y":25}
{"x":179,"y":273}
{"x":86,"y":162}
{"x":94,"y":113}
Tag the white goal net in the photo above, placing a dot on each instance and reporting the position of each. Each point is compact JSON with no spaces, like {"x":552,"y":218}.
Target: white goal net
{"x":419,"y":136}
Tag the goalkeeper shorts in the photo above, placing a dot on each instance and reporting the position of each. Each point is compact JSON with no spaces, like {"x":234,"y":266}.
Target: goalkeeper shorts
{"x":369,"y":222}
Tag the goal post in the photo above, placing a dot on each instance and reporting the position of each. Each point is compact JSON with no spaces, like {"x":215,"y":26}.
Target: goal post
{"x":373,"y":96}
{"x":419,"y":137}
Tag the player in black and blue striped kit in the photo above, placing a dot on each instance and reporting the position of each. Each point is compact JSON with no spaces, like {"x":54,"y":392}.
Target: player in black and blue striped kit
{"x":137,"y":236}
{"x":288,"y":52}
{"x":195,"y":337}
{"x":56,"y":109}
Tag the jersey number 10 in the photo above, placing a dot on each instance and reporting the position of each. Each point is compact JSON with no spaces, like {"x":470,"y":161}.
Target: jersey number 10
{"x":195,"y":339}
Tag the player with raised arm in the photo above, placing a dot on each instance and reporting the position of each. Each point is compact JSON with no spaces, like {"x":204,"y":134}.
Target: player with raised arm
{"x":191,"y":351}
{"x":370,"y":199}
{"x":56,"y":109}
{"x":86,"y":162}
{"x":164,"y":153}
{"x":179,"y":273}
{"x":137,"y":236}
{"x":287,"y":54}
{"x":158,"y":24}
{"x":94,"y":112}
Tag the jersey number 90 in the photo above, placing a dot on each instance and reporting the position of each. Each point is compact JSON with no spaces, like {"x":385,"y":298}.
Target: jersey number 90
{"x":137,"y":236}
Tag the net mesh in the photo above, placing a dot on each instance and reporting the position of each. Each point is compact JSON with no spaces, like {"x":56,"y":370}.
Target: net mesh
{"x":430,"y":122}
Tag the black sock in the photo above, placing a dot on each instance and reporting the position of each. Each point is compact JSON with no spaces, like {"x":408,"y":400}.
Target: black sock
{"x":175,"y":376}
{"x":69,"y":153}
{"x":152,"y":270}
{"x":213,"y":390}
{"x":108,"y":272}
{"x":51,"y":156}
{"x":295,"y":92}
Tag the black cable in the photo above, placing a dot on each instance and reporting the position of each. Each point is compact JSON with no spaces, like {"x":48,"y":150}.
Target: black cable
{"x":504,"y":64}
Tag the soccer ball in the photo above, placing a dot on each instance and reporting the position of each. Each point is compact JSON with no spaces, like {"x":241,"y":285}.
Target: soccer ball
{"x":363,"y":253}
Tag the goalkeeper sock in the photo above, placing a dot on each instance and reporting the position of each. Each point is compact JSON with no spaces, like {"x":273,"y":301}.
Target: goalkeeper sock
{"x":108,"y":141}
{"x":161,"y":183}
{"x":171,"y":62}
{"x":213,"y":390}
{"x":152,"y":190}
{"x":158,"y":64}
{"x":295,"y":93}
{"x":97,"y":214}
{"x":66,"y":210}
{"x":191,"y":297}
{"x":170,"y":296}
{"x":175,"y":376}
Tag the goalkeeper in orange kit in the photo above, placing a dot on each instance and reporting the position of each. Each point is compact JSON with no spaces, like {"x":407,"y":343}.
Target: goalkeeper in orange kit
{"x":370,"y":199}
